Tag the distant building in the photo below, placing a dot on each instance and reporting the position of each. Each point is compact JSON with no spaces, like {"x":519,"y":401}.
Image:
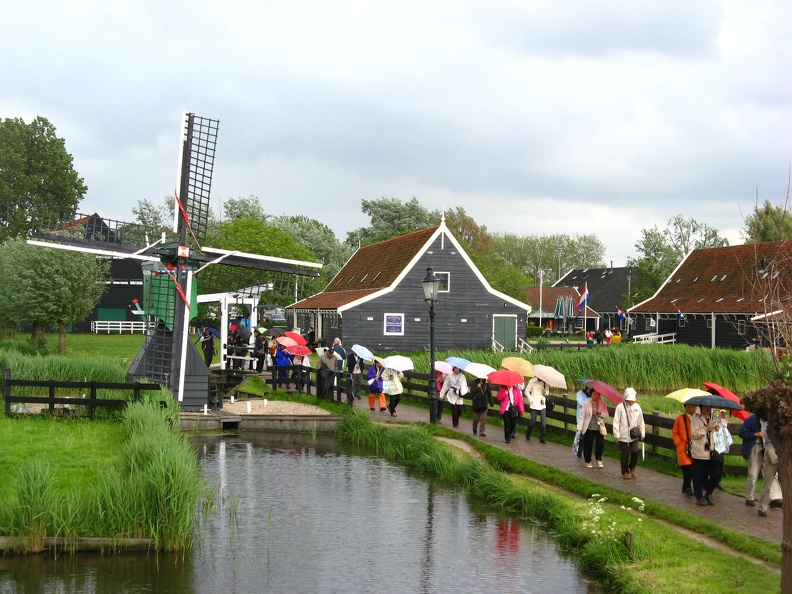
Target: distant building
{"x":377,"y":299}
{"x":608,"y":288}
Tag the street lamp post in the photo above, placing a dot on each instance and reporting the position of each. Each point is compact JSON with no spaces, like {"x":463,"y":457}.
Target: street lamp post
{"x":431,"y":286}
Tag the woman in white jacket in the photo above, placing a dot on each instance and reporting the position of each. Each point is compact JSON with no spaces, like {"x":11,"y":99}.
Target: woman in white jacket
{"x":454,"y":388}
{"x":535,"y":397}
{"x":629,"y":430}
{"x":392,"y":386}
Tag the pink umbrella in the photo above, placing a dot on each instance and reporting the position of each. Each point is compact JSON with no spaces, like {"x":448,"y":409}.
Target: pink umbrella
{"x":298,"y":349}
{"x":296,"y":337}
{"x":723,"y":392}
{"x":286,"y":341}
{"x":607,"y":391}
{"x":443,"y":367}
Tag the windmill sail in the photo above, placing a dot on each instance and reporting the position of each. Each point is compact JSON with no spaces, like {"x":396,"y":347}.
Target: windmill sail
{"x":174,"y":268}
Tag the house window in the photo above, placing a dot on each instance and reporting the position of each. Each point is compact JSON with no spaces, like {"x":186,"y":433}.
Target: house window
{"x":648,"y":324}
{"x":682,"y":322}
{"x":394,"y":324}
{"x":578,"y":324}
{"x":741,"y":327}
{"x":445,"y":281}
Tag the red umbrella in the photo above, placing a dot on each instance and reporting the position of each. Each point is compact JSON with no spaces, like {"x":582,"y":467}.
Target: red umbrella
{"x":286,"y":341}
{"x":296,"y":337}
{"x":607,"y":391}
{"x":728,"y":395}
{"x":298,"y":349}
{"x":505,"y":377}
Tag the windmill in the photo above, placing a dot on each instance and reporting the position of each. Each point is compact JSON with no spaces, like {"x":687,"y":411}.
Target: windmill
{"x":174,"y":267}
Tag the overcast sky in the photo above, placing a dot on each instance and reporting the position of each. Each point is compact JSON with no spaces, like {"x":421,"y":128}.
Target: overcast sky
{"x":535,"y":117}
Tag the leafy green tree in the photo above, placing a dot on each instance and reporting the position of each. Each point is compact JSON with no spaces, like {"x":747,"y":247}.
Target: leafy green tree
{"x":244,"y":208}
{"x":250,"y":235}
{"x":390,"y":217}
{"x":319,"y":239}
{"x":36,"y":172}
{"x":767,"y":223}
{"x":44,"y":286}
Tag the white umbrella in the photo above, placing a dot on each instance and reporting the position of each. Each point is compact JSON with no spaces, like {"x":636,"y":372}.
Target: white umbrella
{"x":398,"y":362}
{"x":550,"y":376}
{"x":479,"y":370}
{"x":362,"y":352}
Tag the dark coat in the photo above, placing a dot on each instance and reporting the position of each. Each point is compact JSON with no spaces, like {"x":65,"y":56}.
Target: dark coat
{"x":750,"y":426}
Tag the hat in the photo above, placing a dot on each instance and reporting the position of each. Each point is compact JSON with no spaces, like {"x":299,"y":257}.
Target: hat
{"x":630,"y":395}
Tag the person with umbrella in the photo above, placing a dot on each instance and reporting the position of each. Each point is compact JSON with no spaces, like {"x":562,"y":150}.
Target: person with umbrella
{"x":482,"y":400}
{"x":375,"y":385}
{"x":511,"y":407}
{"x":706,"y":473}
{"x":258,"y":349}
{"x":682,"y":440}
{"x":592,"y":427}
{"x":392,"y":386}
{"x":207,"y":346}
{"x":536,"y":393}
{"x":282,"y":361}
{"x":454,"y":388}
{"x":629,"y":430}
{"x":355,"y":368}
{"x":327,"y":367}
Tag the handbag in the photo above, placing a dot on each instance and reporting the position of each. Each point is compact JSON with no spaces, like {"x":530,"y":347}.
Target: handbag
{"x":716,"y":457}
{"x":635,"y":433}
{"x":549,"y":404}
{"x":689,"y":449}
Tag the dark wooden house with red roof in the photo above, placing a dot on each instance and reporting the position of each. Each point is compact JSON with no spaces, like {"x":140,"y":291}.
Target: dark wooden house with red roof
{"x":716,"y":296}
{"x":547,"y":300}
{"x":377,"y":299}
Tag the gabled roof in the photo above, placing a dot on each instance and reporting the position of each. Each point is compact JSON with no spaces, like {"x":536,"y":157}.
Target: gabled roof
{"x":740,"y":279}
{"x":549,"y":297}
{"x":607,"y":287}
{"x":378,"y":268}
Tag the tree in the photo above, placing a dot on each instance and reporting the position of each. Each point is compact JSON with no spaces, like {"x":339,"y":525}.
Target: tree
{"x":244,"y":208}
{"x":319,"y":239}
{"x":661,"y":251}
{"x":36,"y":172}
{"x":48,"y":286}
{"x":391,"y":218}
{"x":767,"y":223}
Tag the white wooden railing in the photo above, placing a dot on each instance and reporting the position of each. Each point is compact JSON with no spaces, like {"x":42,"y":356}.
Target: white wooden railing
{"x":523,"y":346}
{"x":117,"y":327}
{"x":655,"y":338}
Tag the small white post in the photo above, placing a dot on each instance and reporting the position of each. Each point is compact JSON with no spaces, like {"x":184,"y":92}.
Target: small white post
{"x":265,"y":403}
{"x":232,"y":399}
{"x":206,"y":409}
{"x":249,"y":406}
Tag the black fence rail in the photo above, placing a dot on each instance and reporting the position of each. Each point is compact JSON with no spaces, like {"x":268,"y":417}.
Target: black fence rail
{"x":416,"y":389}
{"x":89,"y":389}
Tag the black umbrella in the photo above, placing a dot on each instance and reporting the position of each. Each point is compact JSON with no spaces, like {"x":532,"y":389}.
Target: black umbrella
{"x":275,"y":331}
{"x":713,"y":401}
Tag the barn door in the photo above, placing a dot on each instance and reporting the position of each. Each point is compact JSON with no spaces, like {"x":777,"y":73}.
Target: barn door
{"x":505,"y":331}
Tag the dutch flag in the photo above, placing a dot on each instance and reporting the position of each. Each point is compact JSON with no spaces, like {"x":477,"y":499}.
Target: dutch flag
{"x":584,"y":297}
{"x":622,"y":313}
{"x":679,"y":311}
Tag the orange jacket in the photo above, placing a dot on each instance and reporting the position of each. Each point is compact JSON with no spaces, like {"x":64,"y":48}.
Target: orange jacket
{"x":682,"y":435}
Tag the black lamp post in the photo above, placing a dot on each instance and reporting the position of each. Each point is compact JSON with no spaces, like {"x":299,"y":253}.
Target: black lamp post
{"x":431,"y":286}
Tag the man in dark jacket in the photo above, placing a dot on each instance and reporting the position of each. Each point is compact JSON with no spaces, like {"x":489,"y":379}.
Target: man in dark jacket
{"x":753,"y":451}
{"x":355,"y":369}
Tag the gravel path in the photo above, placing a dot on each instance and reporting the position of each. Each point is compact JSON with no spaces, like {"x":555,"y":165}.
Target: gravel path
{"x":273,"y":407}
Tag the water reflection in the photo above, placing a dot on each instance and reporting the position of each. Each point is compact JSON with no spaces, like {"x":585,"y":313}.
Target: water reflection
{"x":309,"y":515}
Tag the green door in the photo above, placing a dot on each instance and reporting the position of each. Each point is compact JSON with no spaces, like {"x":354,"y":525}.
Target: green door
{"x":505,"y":331}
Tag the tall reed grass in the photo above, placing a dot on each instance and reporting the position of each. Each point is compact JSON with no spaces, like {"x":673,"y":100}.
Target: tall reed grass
{"x":152,"y":490}
{"x":659,"y":368}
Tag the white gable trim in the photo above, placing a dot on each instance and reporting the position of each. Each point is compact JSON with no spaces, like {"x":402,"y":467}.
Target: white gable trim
{"x":442,"y":232}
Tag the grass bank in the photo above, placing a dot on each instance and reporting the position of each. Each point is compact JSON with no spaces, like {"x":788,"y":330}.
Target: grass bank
{"x":72,"y":478}
{"x":594,"y":525}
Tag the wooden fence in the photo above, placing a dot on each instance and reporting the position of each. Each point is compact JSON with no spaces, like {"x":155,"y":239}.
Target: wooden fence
{"x":416,"y":389}
{"x":89,"y":391}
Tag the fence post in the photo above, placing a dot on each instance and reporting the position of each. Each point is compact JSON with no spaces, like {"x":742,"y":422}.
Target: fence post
{"x":51,"y":397}
{"x":655,"y":431}
{"x":566,"y":410}
{"x":92,"y":405}
{"x":7,"y":389}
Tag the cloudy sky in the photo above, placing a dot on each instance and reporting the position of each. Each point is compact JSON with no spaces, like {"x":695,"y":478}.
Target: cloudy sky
{"x":535,"y":117}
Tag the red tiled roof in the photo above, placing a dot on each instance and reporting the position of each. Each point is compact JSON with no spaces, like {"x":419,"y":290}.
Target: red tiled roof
{"x":727,"y":280}
{"x":549,"y":296}
{"x":372,"y":268}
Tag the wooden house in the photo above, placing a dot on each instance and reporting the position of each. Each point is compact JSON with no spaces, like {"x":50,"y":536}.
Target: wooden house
{"x":377,"y":299}
{"x":608,"y":288}
{"x":545,"y":309}
{"x":716,"y":297}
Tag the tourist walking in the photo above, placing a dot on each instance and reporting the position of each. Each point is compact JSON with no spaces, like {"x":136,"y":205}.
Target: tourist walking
{"x":682,"y":440}
{"x":536,"y":393}
{"x":392,"y":386}
{"x":753,"y":451}
{"x":454,"y":388}
{"x":769,"y":469}
{"x":511,"y":406}
{"x":327,"y":367}
{"x":207,"y":346}
{"x":355,"y":369}
{"x":439,"y":380}
{"x":375,"y":386}
{"x":482,"y":400}
{"x":629,"y":431}
{"x":593,"y":429}
{"x":706,"y":472}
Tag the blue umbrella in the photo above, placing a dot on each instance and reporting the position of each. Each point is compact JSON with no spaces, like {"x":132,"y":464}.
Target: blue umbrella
{"x":214,"y":331}
{"x":363,"y":352}
{"x":457,"y":362}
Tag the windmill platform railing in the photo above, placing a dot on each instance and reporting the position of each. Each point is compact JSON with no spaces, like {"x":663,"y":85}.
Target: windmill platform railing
{"x":655,"y":338}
